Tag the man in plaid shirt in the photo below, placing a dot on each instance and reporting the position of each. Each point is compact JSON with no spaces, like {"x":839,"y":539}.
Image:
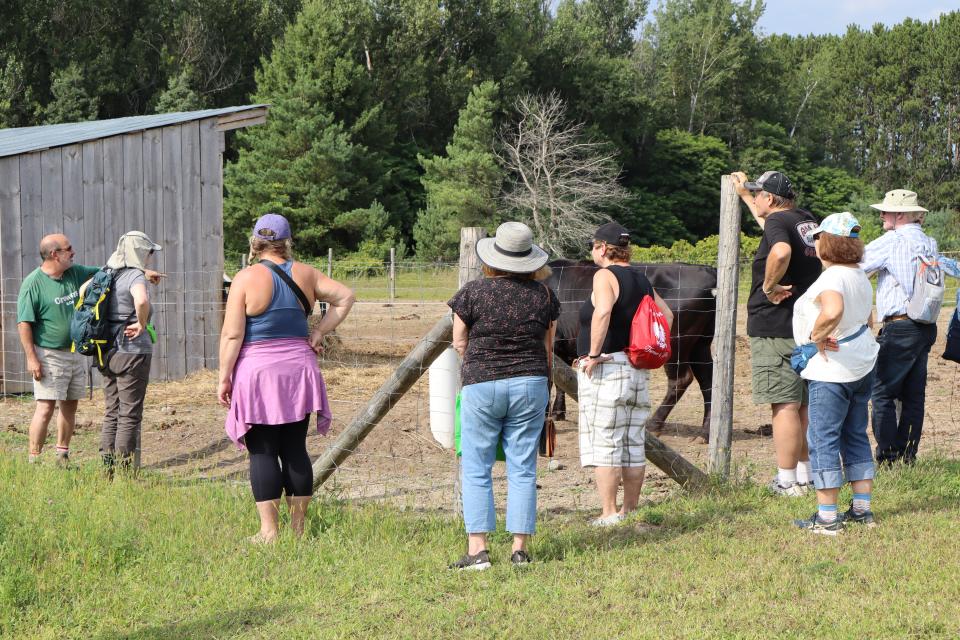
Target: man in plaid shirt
{"x":901,"y":371}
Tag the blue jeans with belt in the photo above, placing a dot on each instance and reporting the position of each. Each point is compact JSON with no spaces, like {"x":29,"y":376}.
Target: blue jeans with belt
{"x":511,"y":410}
{"x":837,"y":432}
{"x":901,"y":374}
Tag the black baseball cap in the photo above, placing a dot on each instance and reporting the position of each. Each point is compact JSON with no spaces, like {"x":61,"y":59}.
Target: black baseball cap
{"x":613,"y":234}
{"x":773,"y":182}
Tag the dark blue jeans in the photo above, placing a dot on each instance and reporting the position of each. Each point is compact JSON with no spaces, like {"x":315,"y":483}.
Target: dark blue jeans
{"x":901,"y":374}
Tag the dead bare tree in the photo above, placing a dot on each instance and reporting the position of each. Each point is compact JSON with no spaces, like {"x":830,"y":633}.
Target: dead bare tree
{"x":561,"y":182}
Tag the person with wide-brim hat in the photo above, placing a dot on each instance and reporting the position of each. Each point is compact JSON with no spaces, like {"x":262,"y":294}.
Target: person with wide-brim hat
{"x":901,"y":371}
{"x":127,"y":371}
{"x":503,"y":328}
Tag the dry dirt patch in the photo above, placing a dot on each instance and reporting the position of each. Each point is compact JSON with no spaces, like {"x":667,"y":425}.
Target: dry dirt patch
{"x":399,"y":462}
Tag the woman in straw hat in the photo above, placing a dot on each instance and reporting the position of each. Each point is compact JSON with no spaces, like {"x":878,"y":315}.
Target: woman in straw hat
{"x":503,"y":327}
{"x":269,"y":377}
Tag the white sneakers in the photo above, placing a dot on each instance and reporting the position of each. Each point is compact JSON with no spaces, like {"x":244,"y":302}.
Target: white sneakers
{"x":609,"y":521}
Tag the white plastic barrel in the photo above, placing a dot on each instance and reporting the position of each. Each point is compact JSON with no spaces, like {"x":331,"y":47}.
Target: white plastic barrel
{"x":444,"y":376}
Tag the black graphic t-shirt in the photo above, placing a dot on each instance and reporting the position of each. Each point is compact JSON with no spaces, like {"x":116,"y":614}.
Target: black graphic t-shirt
{"x":765,"y":319}
{"x":507,"y":319}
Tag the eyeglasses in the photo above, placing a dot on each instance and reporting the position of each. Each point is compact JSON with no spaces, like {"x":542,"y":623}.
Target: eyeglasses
{"x":67,"y":249}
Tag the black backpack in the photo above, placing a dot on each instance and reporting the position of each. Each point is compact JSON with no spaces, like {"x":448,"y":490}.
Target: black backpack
{"x":89,"y":328}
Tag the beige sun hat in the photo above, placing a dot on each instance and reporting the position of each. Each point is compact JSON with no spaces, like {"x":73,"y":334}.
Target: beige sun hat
{"x":512,"y":249}
{"x":899,"y":201}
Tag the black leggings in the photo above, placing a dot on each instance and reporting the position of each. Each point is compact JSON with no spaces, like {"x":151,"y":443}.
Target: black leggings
{"x":279,"y":461}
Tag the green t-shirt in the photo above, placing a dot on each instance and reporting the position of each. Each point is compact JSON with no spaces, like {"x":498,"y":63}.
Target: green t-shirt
{"x":47,"y":304}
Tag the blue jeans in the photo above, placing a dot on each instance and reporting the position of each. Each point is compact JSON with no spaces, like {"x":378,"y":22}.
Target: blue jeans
{"x":512,"y":410}
{"x":901,"y":374}
{"x":837,"y":432}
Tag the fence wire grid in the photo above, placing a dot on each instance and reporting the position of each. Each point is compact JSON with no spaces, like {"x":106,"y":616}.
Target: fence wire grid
{"x":400,"y":462}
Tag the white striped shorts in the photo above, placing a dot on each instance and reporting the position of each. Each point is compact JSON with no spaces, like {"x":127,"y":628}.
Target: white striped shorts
{"x":614,"y":405}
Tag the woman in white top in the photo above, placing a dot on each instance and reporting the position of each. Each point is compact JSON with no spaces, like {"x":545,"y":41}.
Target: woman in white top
{"x":834,"y":316}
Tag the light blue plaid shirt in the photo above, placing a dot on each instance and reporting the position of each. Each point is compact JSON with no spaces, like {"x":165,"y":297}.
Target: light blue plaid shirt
{"x":895,"y":266}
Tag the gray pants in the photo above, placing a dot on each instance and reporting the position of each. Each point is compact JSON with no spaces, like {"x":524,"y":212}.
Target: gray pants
{"x":125,"y":387}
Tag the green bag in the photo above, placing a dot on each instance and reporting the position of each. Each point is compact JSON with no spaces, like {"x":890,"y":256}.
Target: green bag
{"x":501,"y":456}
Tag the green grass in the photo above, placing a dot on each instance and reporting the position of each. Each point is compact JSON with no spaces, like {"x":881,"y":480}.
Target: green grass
{"x":81,"y":557}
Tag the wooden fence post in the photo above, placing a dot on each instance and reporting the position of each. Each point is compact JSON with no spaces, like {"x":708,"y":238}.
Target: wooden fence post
{"x":469,"y":261}
{"x":728,"y":278}
{"x":330,"y":263}
{"x":393,"y":274}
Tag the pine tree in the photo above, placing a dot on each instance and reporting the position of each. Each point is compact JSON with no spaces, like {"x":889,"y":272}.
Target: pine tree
{"x":316,"y":156}
{"x":179,"y":95}
{"x":71,"y":102}
{"x":461,"y":187}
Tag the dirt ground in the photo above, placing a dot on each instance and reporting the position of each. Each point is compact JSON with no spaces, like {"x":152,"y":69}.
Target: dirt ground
{"x":400,"y":462}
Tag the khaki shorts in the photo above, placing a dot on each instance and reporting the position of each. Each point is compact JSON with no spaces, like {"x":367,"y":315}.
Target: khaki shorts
{"x":64,"y":375}
{"x":774,"y":381}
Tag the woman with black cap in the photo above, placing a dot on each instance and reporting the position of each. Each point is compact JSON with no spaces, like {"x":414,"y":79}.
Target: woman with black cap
{"x":613,"y":396}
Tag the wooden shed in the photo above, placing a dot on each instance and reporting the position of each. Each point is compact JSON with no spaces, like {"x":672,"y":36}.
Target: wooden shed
{"x":94,"y":181}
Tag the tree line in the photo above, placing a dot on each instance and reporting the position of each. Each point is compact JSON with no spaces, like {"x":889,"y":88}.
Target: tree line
{"x":395,"y":122}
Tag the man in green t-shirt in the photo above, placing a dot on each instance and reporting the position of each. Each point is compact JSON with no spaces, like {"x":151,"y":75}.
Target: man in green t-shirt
{"x":44,"y":308}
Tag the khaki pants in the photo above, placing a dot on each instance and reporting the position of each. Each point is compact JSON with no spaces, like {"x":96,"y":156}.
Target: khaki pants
{"x":125,"y":387}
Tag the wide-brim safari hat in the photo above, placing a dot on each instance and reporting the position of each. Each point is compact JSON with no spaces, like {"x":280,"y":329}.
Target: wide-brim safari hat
{"x":512,"y":250}
{"x":899,"y":201}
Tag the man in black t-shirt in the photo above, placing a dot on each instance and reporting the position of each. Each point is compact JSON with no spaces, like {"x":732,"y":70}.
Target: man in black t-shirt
{"x":784,"y":267}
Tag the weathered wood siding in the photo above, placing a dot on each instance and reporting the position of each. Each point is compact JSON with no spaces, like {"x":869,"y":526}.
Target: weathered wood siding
{"x":167,"y":182}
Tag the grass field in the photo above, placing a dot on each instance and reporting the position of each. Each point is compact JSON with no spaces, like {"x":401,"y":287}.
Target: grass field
{"x":82,"y":557}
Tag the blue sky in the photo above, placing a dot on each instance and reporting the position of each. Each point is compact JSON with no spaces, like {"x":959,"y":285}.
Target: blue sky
{"x":800,"y":17}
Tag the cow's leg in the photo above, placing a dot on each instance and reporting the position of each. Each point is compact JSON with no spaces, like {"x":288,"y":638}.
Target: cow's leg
{"x":560,"y":405}
{"x":558,"y":408}
{"x":679,"y":377}
{"x":701,"y":363}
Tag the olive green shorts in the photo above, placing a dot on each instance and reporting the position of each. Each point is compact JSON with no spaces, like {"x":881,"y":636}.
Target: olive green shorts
{"x":773,"y":379}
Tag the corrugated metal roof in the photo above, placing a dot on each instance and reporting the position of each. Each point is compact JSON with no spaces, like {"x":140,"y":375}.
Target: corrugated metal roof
{"x":27,"y":139}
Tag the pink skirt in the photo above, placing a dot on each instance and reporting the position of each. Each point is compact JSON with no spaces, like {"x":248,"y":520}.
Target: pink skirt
{"x":276,"y":382}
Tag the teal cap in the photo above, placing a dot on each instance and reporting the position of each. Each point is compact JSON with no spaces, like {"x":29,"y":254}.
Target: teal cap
{"x":838,"y":224}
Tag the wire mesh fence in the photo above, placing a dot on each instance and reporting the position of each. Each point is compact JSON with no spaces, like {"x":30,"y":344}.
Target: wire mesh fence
{"x":400,"y":462}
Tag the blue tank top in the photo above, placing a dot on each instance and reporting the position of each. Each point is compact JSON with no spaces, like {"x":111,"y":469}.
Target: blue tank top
{"x":283,"y":317}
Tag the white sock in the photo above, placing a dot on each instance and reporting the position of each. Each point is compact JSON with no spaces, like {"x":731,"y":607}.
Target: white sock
{"x":803,"y":471}
{"x":786,"y":477}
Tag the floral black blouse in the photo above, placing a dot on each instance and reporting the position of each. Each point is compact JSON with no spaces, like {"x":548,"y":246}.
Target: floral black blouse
{"x":507,"y":319}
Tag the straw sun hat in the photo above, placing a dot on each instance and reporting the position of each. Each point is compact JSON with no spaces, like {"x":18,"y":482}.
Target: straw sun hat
{"x":512,"y":249}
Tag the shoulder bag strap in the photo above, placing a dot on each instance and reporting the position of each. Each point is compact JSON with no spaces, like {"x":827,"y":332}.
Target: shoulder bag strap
{"x":290,"y":283}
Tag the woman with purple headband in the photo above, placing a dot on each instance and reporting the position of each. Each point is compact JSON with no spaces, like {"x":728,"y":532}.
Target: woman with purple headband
{"x":269,"y":377}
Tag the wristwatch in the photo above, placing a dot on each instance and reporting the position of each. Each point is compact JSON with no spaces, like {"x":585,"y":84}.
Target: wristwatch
{"x":593,"y":357}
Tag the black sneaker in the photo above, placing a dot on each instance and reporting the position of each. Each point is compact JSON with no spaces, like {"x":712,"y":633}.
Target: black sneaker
{"x":865,"y":518}
{"x":477,"y":562}
{"x":816,"y":525}
{"x":520,"y":558}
